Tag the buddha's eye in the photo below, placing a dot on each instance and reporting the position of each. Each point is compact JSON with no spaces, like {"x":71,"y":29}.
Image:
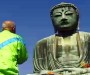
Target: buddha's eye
{"x":69,"y":13}
{"x":57,"y":15}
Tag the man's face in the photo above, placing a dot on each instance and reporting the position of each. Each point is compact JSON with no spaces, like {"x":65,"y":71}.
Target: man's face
{"x":64,"y":18}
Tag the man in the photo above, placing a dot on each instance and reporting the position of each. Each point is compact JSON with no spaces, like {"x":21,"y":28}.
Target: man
{"x":67,"y":51}
{"x":12,"y":49}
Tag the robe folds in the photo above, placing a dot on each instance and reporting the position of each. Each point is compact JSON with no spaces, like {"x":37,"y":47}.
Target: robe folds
{"x":55,"y":52}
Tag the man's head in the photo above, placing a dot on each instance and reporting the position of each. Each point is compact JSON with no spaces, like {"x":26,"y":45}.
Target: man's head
{"x":64,"y":17}
{"x":9,"y":25}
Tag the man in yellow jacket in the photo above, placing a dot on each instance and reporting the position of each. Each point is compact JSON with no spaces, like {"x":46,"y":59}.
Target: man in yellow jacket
{"x":12,"y":49}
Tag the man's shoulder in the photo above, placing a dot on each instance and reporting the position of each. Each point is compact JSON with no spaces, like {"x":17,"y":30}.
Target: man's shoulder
{"x":9,"y":34}
{"x":17,"y":35}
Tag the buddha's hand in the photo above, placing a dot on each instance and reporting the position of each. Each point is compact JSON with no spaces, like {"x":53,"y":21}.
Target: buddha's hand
{"x":73,"y":70}
{"x":47,"y":72}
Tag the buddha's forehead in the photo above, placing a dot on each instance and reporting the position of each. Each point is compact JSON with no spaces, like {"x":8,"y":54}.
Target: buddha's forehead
{"x":61,"y":9}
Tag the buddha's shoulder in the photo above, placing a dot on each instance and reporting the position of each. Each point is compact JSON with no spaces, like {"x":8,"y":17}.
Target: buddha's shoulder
{"x":84,"y":33}
{"x":44,"y":40}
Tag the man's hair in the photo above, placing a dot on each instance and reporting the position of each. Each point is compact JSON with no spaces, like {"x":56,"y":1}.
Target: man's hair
{"x":63,"y":4}
{"x":9,"y":25}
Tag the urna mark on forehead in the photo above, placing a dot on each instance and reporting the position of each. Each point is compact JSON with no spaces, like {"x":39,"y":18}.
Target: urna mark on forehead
{"x":63,"y":9}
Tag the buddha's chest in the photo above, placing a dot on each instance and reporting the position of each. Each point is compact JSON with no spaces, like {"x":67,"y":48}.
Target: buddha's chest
{"x":68,"y":53}
{"x":69,"y":50}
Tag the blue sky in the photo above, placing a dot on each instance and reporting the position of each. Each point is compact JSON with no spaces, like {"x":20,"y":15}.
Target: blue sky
{"x":33,"y":21}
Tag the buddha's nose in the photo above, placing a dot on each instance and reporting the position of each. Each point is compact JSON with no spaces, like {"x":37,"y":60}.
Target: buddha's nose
{"x":63,"y":17}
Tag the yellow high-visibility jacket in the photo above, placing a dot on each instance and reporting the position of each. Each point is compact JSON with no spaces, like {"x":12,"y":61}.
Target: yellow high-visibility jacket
{"x":12,"y":53}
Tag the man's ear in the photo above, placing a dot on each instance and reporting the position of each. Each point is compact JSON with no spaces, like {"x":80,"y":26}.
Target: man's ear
{"x":13,"y":29}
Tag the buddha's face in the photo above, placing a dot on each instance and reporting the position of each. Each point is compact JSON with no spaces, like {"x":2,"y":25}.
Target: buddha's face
{"x":64,"y":18}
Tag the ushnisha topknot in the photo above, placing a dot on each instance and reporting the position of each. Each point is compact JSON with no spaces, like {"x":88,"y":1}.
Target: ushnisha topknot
{"x":64,"y":4}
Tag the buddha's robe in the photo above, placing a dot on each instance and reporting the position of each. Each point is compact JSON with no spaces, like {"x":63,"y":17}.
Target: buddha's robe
{"x":56,"y":52}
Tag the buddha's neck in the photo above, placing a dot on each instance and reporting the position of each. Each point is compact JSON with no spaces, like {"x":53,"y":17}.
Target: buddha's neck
{"x":66,"y":33}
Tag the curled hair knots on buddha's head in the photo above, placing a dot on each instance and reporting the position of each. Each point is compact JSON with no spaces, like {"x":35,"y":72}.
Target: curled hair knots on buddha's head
{"x":64,"y":4}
